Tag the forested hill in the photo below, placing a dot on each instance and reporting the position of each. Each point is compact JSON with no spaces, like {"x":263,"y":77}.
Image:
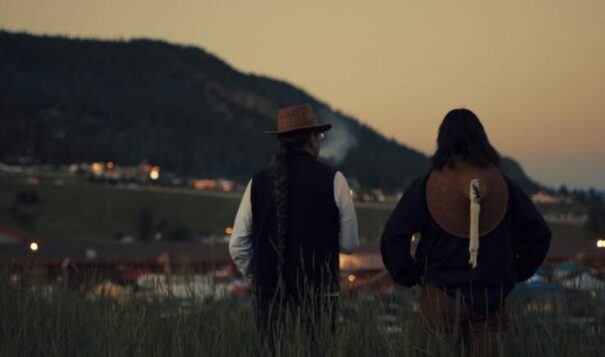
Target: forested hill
{"x":70,"y":100}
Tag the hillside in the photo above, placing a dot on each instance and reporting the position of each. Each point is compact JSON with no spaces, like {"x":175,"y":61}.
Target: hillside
{"x":70,"y":100}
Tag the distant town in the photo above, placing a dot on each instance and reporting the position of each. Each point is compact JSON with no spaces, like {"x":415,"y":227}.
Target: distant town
{"x":558,"y":207}
{"x":144,"y":173}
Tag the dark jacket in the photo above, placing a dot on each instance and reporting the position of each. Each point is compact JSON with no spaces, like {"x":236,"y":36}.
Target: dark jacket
{"x":509,"y":254}
{"x":311,"y":258}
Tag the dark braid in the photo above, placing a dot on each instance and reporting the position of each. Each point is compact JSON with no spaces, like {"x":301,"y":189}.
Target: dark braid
{"x":280,"y":191}
{"x":287,"y":144}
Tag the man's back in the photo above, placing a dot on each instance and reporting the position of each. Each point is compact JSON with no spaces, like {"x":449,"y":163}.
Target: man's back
{"x":312,"y":227}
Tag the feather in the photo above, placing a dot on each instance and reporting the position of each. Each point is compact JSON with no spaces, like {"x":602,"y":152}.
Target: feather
{"x":475,"y":200}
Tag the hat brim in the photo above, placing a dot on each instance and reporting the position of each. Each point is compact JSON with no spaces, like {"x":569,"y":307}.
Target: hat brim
{"x":319,"y":127}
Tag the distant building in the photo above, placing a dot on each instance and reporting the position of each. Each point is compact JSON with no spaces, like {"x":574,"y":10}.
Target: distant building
{"x":225,"y":185}
{"x":545,"y":198}
{"x":204,"y":184}
{"x":572,"y":219}
{"x":378,"y":195}
{"x":209,"y":184}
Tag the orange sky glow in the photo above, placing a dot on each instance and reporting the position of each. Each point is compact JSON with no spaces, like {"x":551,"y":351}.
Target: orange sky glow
{"x":533,"y":71}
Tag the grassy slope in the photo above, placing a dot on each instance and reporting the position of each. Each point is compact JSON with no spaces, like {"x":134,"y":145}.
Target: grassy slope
{"x":96,"y":212}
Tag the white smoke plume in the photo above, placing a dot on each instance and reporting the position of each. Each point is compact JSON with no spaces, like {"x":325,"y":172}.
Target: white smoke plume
{"x":339,"y":140}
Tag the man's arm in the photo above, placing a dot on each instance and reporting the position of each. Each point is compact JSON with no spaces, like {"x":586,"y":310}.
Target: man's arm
{"x":349,"y":236}
{"x":240,"y":244}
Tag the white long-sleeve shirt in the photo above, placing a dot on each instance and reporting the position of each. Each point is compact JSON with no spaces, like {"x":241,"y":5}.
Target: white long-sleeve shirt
{"x":240,"y":244}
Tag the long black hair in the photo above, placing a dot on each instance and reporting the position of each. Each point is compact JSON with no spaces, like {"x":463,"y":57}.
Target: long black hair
{"x":462,"y":138}
{"x":286,"y":145}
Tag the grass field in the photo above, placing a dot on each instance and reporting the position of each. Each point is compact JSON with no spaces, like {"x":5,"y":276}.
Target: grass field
{"x":37,"y":321}
{"x":95,"y":212}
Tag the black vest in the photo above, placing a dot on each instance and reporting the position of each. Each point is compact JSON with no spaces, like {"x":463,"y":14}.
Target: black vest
{"x":312,"y":247}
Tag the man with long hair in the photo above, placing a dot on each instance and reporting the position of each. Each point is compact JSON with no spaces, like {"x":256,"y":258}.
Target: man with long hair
{"x":479,"y":236}
{"x":294,"y":219}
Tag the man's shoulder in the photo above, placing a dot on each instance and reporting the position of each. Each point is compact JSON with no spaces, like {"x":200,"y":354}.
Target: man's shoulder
{"x":317,"y":166}
{"x":260,"y":178}
{"x":323,"y":167}
{"x":262,"y":173}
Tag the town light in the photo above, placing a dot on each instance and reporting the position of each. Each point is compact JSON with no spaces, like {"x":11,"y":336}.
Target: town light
{"x":97,"y":168}
{"x":155,"y":173}
{"x":229,"y":230}
{"x":601,"y":243}
{"x":33,"y":246}
{"x":351,"y":278}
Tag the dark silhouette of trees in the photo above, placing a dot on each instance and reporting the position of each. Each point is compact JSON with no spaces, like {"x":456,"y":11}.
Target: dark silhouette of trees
{"x":66,"y":100}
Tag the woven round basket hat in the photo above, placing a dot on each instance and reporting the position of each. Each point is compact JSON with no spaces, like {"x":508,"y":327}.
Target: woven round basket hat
{"x":297,"y":118}
{"x":447,"y":195}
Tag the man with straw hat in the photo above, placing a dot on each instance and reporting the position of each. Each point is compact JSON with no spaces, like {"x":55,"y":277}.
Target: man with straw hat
{"x":293,"y":220}
{"x":480,"y":235}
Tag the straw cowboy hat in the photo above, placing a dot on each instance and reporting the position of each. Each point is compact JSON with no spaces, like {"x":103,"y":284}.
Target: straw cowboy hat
{"x":448,"y":198}
{"x":297,"y":118}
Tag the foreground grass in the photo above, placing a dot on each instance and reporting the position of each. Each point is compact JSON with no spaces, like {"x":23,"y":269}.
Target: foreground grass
{"x":37,"y":322}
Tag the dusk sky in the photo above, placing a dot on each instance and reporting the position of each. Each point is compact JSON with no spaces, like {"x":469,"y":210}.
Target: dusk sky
{"x":533,"y":71}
